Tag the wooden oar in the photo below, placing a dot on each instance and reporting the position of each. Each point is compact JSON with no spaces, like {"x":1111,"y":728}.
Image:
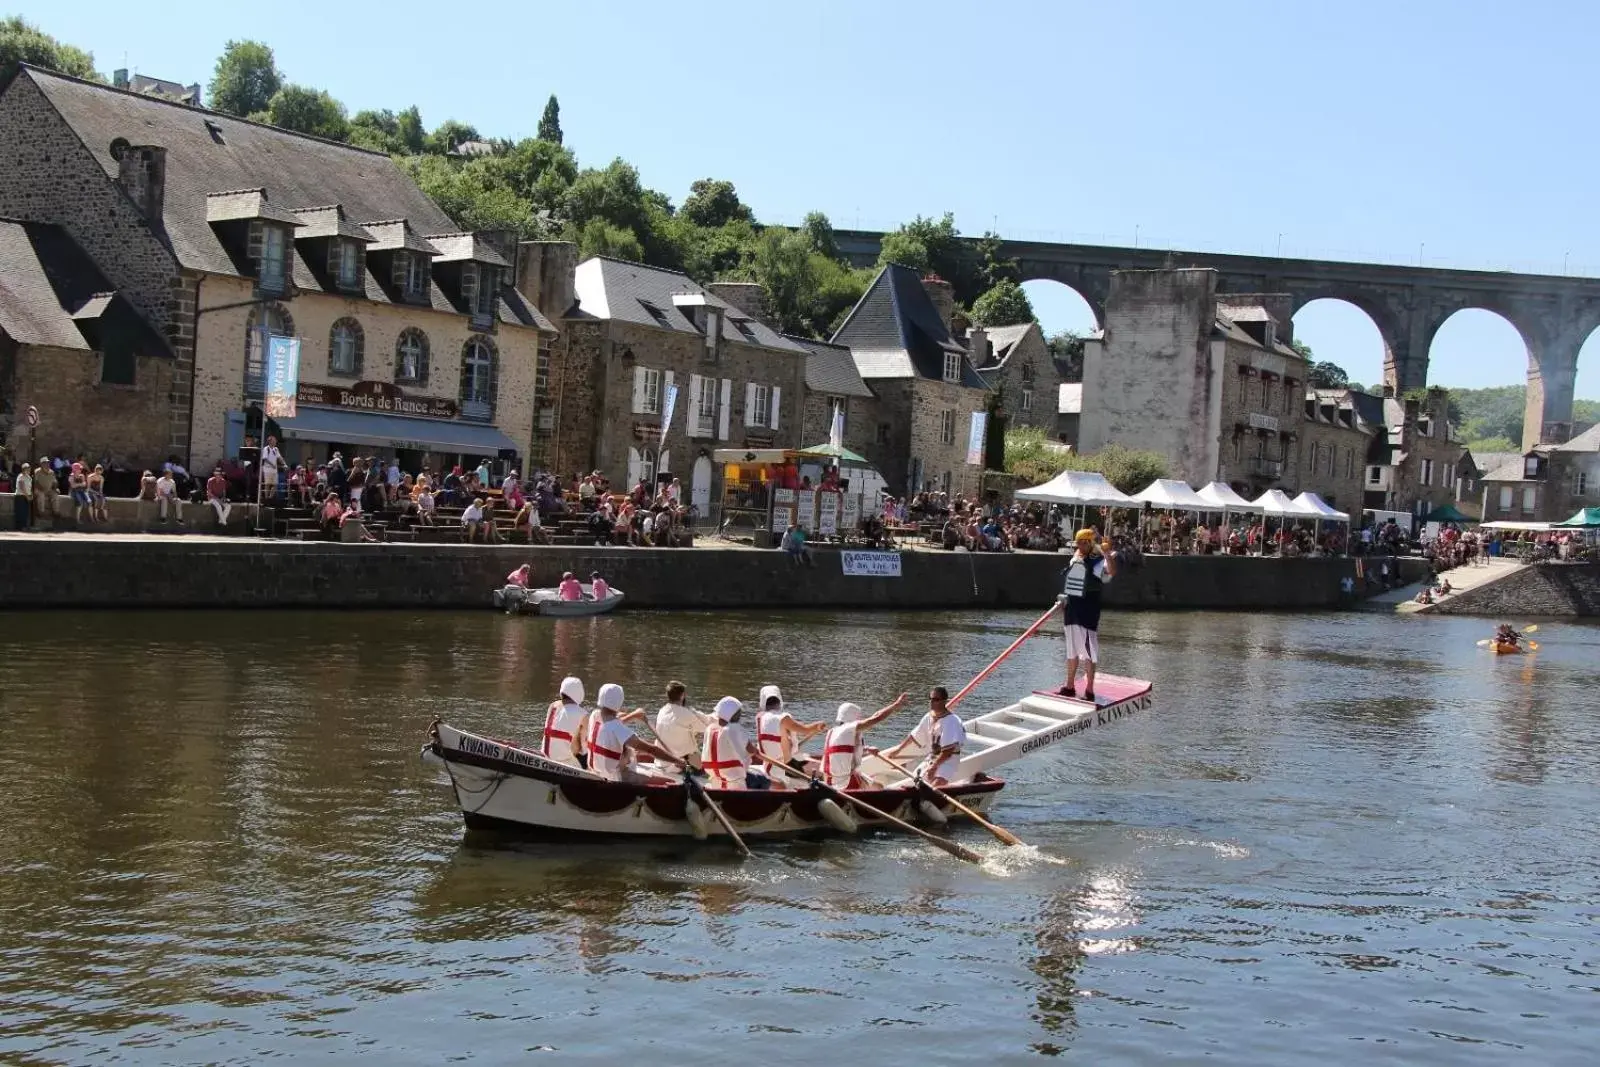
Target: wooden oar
{"x":999,"y":831}
{"x":960,"y":852}
{"x":970,"y":686}
{"x":697,"y":791}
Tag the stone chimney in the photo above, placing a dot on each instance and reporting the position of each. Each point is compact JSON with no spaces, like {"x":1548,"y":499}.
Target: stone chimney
{"x":748,"y":297}
{"x":119,"y":78}
{"x":978,"y":345}
{"x":142,"y":173}
{"x":1555,"y":433}
{"x":943,"y":295}
{"x":1413,"y":408}
{"x":546,"y":276}
{"x":503,"y":242}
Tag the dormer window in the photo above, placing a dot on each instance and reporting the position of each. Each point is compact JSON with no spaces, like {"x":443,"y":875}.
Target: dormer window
{"x":271,"y":274}
{"x":348,"y":264}
{"x":416,"y":276}
{"x":488,"y":292}
{"x":952,"y":366}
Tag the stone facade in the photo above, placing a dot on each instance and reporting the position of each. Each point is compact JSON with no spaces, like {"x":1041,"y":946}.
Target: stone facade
{"x":1262,"y":412}
{"x":1021,"y":370}
{"x":861,"y":417}
{"x":1548,"y":483}
{"x":81,"y":415}
{"x":1329,"y":458}
{"x":927,"y":425}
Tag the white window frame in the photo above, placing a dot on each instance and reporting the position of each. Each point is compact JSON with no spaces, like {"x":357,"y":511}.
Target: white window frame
{"x":1374,"y":475}
{"x":334,"y":365}
{"x":1507,"y":497}
{"x":486,"y":292}
{"x":649,"y":391}
{"x":706,"y":408}
{"x":349,"y":264}
{"x":758,"y":406}
{"x":947,"y":426}
{"x":417,"y":274}
{"x":1027,"y":400}
{"x":1427,"y":472}
{"x":1530,"y":498}
{"x":952,"y":366}
{"x":273,"y":269}
{"x":1580,"y":483}
{"x":410,"y":349}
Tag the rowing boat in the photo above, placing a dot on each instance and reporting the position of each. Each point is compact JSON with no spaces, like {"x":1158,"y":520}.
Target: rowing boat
{"x":507,"y":790}
{"x":548,"y":601}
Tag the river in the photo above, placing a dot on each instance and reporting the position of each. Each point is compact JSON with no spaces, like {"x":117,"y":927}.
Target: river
{"x":1334,"y":835}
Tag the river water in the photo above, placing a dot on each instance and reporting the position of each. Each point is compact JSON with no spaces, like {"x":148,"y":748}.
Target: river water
{"x":1334,"y":835}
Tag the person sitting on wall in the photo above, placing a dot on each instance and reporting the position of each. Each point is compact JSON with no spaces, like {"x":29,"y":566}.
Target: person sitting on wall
{"x":472,"y":520}
{"x":794,"y":545}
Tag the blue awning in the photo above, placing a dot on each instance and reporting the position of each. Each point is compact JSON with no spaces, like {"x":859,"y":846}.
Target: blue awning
{"x":394,"y":431}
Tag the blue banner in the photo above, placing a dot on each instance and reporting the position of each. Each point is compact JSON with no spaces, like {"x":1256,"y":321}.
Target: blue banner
{"x":283,"y":376}
{"x":666,"y":417}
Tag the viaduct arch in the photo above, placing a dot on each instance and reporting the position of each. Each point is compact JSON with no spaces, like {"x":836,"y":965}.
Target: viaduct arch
{"x":1554,"y":315}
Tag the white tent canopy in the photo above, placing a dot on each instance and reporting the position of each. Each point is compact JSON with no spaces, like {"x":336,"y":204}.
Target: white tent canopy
{"x":1321,"y":507}
{"x":1171,"y":493}
{"x":1079,"y":489}
{"x":1277,"y":503}
{"x":1219,"y":496}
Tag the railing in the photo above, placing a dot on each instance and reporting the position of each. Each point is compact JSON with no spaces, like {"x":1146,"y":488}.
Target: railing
{"x":1271,"y":468}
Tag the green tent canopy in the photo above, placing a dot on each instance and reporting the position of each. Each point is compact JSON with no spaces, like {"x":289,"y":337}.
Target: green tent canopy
{"x":1445,"y":513}
{"x":843,"y":454}
{"x":1586,"y":517}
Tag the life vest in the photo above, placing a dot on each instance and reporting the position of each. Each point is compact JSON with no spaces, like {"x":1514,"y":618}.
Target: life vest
{"x":769,"y":734}
{"x":606,"y":762}
{"x":722,"y":760}
{"x":561,"y":723}
{"x":841,"y":752}
{"x":1082,"y":582}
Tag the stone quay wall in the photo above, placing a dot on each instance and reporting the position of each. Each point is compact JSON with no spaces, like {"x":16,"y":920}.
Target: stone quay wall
{"x":191,"y":572}
{"x":1543,"y":589}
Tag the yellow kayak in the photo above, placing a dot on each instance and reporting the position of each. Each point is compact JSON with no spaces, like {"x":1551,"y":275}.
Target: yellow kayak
{"x":1502,"y":648}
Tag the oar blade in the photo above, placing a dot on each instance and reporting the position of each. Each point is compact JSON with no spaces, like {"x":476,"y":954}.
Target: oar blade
{"x":1533,"y":646}
{"x":1484,"y":643}
{"x":1531,"y":629}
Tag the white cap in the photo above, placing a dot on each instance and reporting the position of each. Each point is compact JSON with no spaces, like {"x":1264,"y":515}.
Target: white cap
{"x":848,"y":712}
{"x":572,"y":689}
{"x":768,"y":692}
{"x":728,"y":707}
{"x":610,"y":696}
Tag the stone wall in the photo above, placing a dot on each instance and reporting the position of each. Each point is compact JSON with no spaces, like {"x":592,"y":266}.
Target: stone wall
{"x":1330,"y":460}
{"x":912,"y":409}
{"x":861,"y":417}
{"x":1543,"y":589}
{"x":1029,"y":369}
{"x":82,"y":416}
{"x":115,"y":572}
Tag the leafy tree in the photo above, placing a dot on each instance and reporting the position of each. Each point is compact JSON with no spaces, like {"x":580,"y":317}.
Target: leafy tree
{"x":245,"y":80}
{"x":1004,"y":305}
{"x":992,"y":270}
{"x":906,"y":250}
{"x":538,"y":171}
{"x":550,"y":121}
{"x":306,"y":110}
{"x":1032,"y":456}
{"x":1486,"y":445}
{"x":714,"y":203}
{"x":1304,"y":350}
{"x":1066,"y":348}
{"x":1327,"y":375}
{"x":927,"y":245}
{"x":819,"y":232}
{"x":408,"y":128}
{"x":613,"y":194}
{"x":473,"y":194}
{"x":449,"y":136}
{"x":597,"y":237}
{"x":783,"y":264}
{"x":377,"y":130}
{"x":22,"y":42}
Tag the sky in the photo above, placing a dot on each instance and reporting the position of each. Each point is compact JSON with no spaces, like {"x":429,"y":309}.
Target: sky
{"x":1452,"y":133}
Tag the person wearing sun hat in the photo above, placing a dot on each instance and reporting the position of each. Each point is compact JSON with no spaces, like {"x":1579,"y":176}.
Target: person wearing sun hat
{"x":1087,"y":572}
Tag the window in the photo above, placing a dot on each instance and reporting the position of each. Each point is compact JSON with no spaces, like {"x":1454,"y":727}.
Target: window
{"x":1266,"y":394}
{"x":270,"y":269}
{"x":118,"y":363}
{"x":947,"y":426}
{"x":1427,"y":472}
{"x":417,"y":275}
{"x":836,"y":414}
{"x":1027,"y":400}
{"x":411,"y":357}
{"x":883,"y":433}
{"x":1374,"y":475}
{"x":1530,"y":467}
{"x":487,"y":293}
{"x":268,"y":319}
{"x":706,"y":407}
{"x":758,"y":408}
{"x":477,"y":380}
{"x":1505,"y":498}
{"x":344,"y":348}
{"x":646,"y":391}
{"x":1530,"y":498}
{"x":1580,"y":483}
{"x":1349,"y":463}
{"x":1027,"y":374}
{"x":952,"y":366}
{"x":349,"y":265}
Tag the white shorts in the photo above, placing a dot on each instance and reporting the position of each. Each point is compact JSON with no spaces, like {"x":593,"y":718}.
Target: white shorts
{"x":1083,"y":643}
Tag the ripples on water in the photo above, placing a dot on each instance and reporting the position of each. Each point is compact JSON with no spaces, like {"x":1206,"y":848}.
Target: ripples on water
{"x":1342,"y":835}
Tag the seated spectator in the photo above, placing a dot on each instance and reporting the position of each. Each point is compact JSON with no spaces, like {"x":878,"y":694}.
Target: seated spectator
{"x":167,"y":497}
{"x":331,"y":514}
{"x":794,"y":546}
{"x":425,"y":506}
{"x":472,"y":519}
{"x":217,"y":496}
{"x":599,"y":526}
{"x":528,"y":525}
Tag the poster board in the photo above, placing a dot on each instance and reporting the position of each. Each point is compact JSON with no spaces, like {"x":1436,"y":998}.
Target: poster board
{"x":782,"y":511}
{"x":827,"y":513}
{"x":805,"y":512}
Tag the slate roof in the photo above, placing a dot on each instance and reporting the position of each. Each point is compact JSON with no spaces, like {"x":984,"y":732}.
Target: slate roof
{"x":622,"y":291}
{"x":1003,"y":342}
{"x":1493,"y":461}
{"x":830,"y":368}
{"x":1227,"y":324}
{"x":48,"y":285}
{"x":393,"y":235}
{"x":894,"y":331}
{"x":1509,"y":472}
{"x":329,"y":221}
{"x":1587,"y":441}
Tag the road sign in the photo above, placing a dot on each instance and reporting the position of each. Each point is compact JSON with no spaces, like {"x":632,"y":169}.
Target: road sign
{"x":32,"y":415}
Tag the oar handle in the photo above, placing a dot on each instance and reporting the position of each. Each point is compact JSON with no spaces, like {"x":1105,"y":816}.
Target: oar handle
{"x":1003,"y":834}
{"x":970,"y":686}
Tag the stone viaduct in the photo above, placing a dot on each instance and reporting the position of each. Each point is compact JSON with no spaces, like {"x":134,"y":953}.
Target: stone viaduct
{"x":1554,"y":315}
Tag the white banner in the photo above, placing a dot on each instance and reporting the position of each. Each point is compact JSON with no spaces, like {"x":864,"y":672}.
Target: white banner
{"x":827,"y":514}
{"x":805,"y":512}
{"x":975,"y":434}
{"x":870,"y":564}
{"x":782,"y":510}
{"x":852,"y":512}
{"x":283,"y":376}
{"x":666,"y":415}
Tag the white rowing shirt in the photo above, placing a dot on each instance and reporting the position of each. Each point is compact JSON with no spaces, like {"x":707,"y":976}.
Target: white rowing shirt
{"x":941,"y":734}
{"x":679,"y":729}
{"x":608,"y":747}
{"x":561,"y":725}
{"x":726,"y":756}
{"x":769,"y":734}
{"x":841,"y":754}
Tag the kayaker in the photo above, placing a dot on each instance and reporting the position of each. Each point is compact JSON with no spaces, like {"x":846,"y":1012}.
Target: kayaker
{"x":778,"y":735}
{"x":728,"y":751}
{"x":611,"y":743}
{"x":679,"y":727}
{"x":1087,"y":572}
{"x":939,"y":734}
{"x":563,"y":724}
{"x":1507,"y":636}
{"x":842,"y":748}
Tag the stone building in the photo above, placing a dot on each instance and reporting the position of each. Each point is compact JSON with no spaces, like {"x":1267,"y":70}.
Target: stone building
{"x":1548,"y":483}
{"x":834,"y":384}
{"x":930,"y":396}
{"x":635,"y":334}
{"x":1414,"y":464}
{"x":1018,"y":367}
{"x":221,"y":232}
{"x":1332,"y":450}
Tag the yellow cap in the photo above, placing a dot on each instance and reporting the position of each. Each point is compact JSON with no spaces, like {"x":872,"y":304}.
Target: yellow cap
{"x":1084,"y":535}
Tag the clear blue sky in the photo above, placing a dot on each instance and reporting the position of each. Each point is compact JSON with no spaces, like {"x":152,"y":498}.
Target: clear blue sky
{"x":1454,"y":132}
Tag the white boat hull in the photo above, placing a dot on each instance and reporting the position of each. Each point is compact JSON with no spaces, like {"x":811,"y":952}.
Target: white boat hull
{"x":549,"y":602}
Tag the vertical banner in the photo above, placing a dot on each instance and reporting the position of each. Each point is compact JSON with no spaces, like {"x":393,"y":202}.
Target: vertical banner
{"x":782,"y":510}
{"x":980,"y":425}
{"x":283,"y":376}
{"x":827,"y":514}
{"x":836,"y":427}
{"x":666,"y":414}
{"x":850,"y":512}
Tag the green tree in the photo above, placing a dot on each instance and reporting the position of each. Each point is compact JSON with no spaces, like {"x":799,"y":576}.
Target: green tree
{"x":245,"y":80}
{"x":1066,"y":348}
{"x":783,"y":264}
{"x":449,"y":136}
{"x":992,"y":270}
{"x":1327,"y":375}
{"x":1004,"y":305}
{"x":1304,"y":350}
{"x":597,"y":237}
{"x":408,"y":127}
{"x":927,"y":245}
{"x":539,"y":171}
{"x":550,"y":122}
{"x":22,"y":42}
{"x":714,"y":203}
{"x":613,"y":194}
{"x":377,"y":130}
{"x":1033,"y":457}
{"x":819,"y":231}
{"x":1493,"y":444}
{"x":307,"y":110}
{"x":473,"y":194}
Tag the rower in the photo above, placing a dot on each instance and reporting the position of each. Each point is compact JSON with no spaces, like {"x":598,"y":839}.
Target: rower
{"x":611,"y":742}
{"x":591,"y":725}
{"x":729,"y":751}
{"x":842,"y":748}
{"x":778,"y":735}
{"x":939,"y":734}
{"x":563,"y":724}
{"x":679,"y":727}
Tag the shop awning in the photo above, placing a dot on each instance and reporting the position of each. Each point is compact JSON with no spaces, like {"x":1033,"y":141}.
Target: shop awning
{"x":395,"y":431}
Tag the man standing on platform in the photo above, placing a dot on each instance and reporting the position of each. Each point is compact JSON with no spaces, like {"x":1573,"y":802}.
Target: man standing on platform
{"x":1086,"y":574}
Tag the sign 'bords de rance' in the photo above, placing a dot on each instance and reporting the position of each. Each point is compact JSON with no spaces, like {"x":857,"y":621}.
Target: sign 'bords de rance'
{"x":378,"y":397}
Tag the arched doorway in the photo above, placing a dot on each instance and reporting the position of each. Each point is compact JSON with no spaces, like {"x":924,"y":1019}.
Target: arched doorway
{"x":700,"y":487}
